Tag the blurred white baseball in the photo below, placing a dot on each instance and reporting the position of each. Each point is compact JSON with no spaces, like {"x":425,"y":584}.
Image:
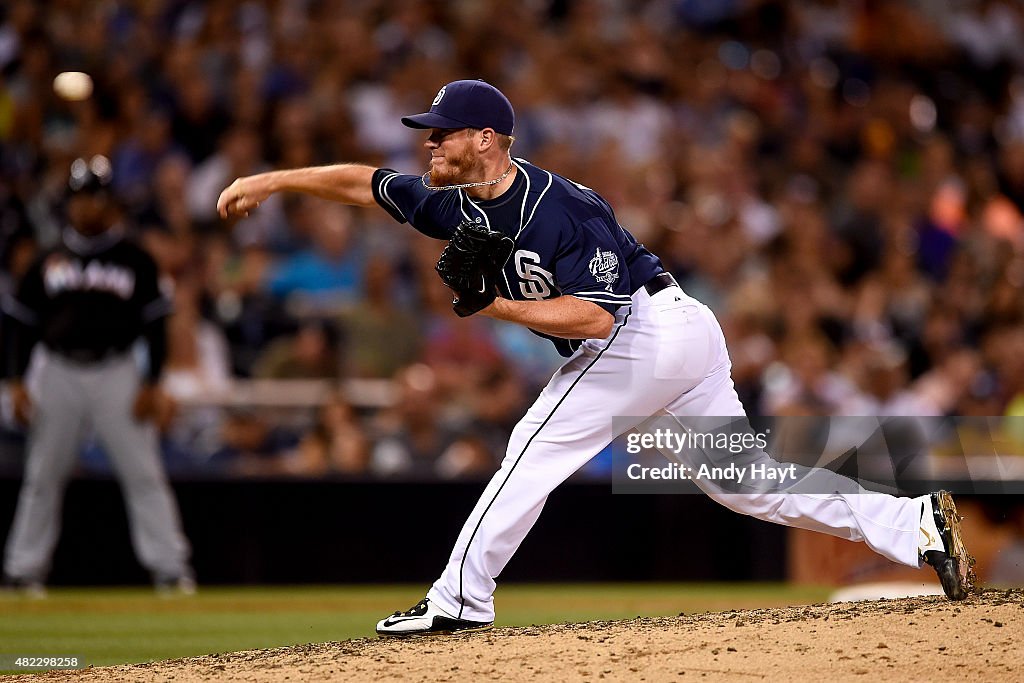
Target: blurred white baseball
{"x":73,"y":86}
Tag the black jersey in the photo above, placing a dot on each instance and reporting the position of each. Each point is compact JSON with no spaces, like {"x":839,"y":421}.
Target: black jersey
{"x":567,"y":238}
{"x":89,"y":297}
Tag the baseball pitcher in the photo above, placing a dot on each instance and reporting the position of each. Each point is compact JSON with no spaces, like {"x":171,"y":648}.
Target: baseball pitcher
{"x":531,"y":247}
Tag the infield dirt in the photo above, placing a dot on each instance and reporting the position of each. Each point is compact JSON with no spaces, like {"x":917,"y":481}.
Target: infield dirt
{"x":913,"y":639}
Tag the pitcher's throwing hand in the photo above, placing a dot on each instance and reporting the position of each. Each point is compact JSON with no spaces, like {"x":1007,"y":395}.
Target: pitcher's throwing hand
{"x":244,"y":195}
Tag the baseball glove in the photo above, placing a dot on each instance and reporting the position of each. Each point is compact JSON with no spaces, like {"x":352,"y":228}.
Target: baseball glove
{"x":470,"y":265}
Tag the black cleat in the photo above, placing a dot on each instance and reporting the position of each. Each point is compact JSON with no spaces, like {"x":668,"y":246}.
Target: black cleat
{"x":955,"y":566}
{"x":427,"y":619}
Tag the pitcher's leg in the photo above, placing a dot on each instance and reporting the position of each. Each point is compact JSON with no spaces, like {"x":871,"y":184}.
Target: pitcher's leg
{"x":820,"y":500}
{"x":551,"y":442}
{"x":887,"y":524}
{"x":567,"y":426}
{"x":542,"y":454}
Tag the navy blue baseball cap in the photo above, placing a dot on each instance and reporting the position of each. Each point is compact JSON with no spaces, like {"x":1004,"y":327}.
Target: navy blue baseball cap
{"x":467,"y":104}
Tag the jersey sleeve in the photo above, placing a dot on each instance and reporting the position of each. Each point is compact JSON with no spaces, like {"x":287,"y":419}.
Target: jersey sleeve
{"x":591,"y":267}
{"x":435,"y":214}
{"x":19,"y":330}
{"x":397,"y":193}
{"x":29,"y":298}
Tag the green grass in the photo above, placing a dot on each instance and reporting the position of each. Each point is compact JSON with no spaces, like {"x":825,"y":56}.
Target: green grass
{"x":126,"y":625}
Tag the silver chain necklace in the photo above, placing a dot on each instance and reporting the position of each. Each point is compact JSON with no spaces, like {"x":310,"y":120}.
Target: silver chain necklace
{"x":463,"y":186}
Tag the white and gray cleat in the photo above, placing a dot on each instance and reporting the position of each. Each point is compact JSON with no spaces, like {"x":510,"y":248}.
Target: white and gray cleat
{"x":427,"y":619}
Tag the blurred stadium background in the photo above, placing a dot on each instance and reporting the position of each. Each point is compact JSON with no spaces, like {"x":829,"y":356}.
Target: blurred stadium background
{"x":842,"y":181}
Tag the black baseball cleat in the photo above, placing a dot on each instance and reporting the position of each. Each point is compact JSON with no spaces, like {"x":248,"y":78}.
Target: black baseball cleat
{"x":427,"y":619}
{"x":953,"y":564}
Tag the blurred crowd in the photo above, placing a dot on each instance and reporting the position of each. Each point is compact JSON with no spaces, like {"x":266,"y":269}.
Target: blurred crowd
{"x":842,"y":181}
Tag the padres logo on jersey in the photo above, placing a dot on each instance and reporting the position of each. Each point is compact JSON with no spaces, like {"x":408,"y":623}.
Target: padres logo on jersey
{"x":605,"y":268}
{"x":537,"y":282}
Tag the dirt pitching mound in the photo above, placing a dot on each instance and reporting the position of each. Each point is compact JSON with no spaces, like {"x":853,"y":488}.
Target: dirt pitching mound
{"x":923,"y":639}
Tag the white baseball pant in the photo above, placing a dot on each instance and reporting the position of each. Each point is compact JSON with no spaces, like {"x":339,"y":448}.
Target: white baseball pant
{"x":665,"y":356}
{"x":67,"y":398}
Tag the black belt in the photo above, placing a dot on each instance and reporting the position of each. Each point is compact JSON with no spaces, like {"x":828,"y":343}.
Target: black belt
{"x":87,"y":356}
{"x":660,"y":282}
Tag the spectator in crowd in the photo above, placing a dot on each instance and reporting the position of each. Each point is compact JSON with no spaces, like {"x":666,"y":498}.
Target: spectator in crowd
{"x":232,"y":279}
{"x":415,"y":436}
{"x":251,"y":444}
{"x":198,"y":367}
{"x":311,"y":353}
{"x":884,"y":387}
{"x":239,"y":153}
{"x":497,"y":403}
{"x":376,"y":317}
{"x":198,"y":363}
{"x":803,"y":381}
{"x":328,"y":274}
{"x":198,"y":119}
{"x":138,"y":157}
{"x":337,"y":444}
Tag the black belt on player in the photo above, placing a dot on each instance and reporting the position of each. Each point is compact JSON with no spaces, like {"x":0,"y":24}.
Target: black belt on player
{"x":660,"y":282}
{"x":87,"y":356}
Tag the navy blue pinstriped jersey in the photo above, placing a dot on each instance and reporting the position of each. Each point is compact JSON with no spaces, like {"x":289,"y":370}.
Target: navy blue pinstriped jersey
{"x":567,"y":238}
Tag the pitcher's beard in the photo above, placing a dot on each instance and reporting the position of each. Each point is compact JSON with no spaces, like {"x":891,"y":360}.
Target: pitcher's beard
{"x":457,"y":170}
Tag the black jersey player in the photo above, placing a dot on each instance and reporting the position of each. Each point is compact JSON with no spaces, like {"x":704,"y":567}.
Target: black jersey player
{"x":71,"y":326}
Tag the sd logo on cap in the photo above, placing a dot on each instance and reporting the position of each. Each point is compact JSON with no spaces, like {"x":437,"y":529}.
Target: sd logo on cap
{"x":467,"y":104}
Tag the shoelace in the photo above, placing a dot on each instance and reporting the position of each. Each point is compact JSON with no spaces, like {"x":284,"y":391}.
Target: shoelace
{"x":421,"y":605}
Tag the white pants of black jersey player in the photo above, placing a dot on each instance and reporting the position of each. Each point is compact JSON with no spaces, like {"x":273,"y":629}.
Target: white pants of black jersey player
{"x":665,"y":356}
{"x":69,"y":397}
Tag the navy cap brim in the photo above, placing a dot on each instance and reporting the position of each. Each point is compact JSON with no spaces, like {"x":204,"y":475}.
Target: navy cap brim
{"x":431,"y":120}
